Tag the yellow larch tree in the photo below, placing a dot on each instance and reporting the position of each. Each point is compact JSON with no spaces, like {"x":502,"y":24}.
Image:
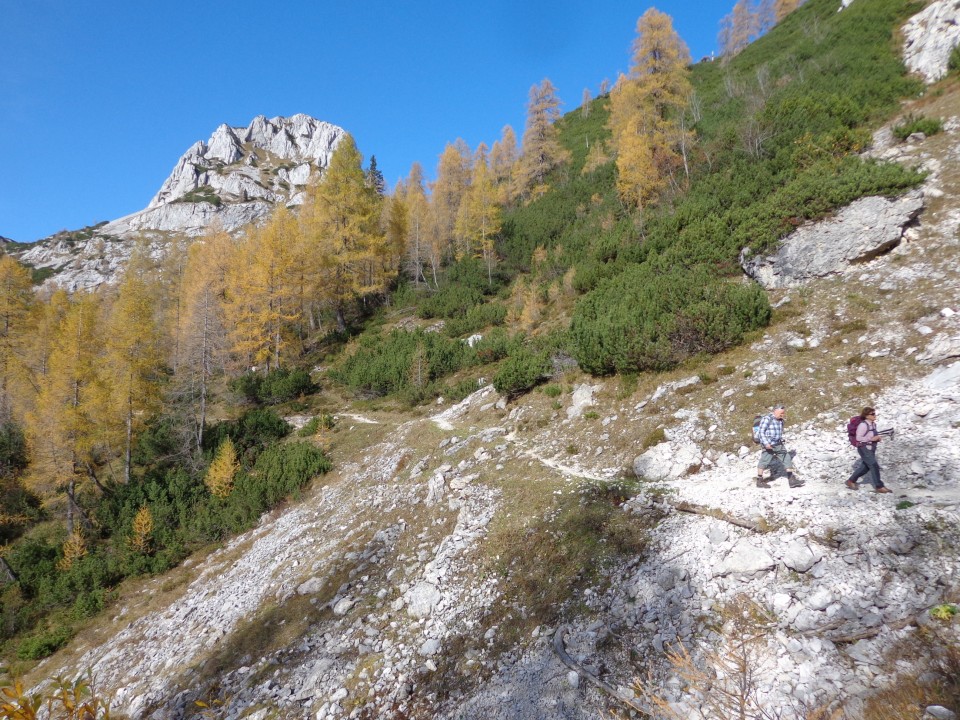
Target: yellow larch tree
{"x":782,"y":8}
{"x":479,"y":217}
{"x":396,"y":218}
{"x":346,"y":250}
{"x":141,"y":529}
{"x":67,"y":429}
{"x":738,"y":29}
{"x":16,"y":300}
{"x":647,"y":110}
{"x":262,"y":299}
{"x":222,"y":470}
{"x":446,"y":193}
{"x":134,"y":354}
{"x":503,"y":160}
{"x":541,"y":151}
{"x":418,"y":219}
{"x":203,"y":335}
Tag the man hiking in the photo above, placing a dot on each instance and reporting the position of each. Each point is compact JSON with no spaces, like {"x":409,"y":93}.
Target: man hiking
{"x":770,"y":435}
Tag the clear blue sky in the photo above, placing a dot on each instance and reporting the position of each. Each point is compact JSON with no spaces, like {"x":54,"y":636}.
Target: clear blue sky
{"x":99,"y":99}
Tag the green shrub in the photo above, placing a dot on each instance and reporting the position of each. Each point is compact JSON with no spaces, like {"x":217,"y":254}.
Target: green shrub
{"x":552,"y":391}
{"x":254,"y":430}
{"x":953,"y":63}
{"x":913,"y":123}
{"x":309,"y":428}
{"x":476,"y":318}
{"x":495,"y":345}
{"x":284,"y":468}
{"x":644,"y":320}
{"x":274,"y":387}
{"x":522,"y":370}
{"x":45,"y":644}
{"x":383,"y":364}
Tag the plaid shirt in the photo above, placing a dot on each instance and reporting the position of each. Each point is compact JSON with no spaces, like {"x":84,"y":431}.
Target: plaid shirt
{"x":771,"y":430}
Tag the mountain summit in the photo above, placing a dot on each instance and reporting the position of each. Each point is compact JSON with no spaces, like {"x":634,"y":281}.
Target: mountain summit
{"x":235,"y":178}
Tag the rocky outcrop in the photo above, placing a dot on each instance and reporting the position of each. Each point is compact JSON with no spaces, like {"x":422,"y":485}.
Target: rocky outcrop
{"x":234,"y":179}
{"x":929,"y":37}
{"x":858,"y":233}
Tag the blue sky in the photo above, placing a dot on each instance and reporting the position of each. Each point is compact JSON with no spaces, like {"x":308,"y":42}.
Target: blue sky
{"x":99,"y":99}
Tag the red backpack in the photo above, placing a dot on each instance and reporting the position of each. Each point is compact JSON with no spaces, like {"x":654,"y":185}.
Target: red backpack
{"x":852,"y":430}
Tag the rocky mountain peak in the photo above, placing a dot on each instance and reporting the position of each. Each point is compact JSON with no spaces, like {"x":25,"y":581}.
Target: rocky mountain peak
{"x":235,"y":178}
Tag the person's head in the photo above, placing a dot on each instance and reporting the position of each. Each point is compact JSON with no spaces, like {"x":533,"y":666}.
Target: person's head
{"x":779,"y":411}
{"x":868,"y":414}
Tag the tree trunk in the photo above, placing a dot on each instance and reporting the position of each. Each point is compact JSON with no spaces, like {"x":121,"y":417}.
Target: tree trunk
{"x":6,"y":572}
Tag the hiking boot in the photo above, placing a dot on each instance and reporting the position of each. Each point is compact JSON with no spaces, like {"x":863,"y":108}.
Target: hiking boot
{"x":851,"y":485}
{"x":795,"y":482}
{"x":883,"y":490}
{"x":761,"y":483}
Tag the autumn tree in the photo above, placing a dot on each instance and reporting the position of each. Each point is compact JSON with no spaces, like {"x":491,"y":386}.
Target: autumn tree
{"x":647,"y":111}
{"x":585,"y":101}
{"x":141,"y":529}
{"x":418,"y":219}
{"x":738,"y":29}
{"x":222,"y":470}
{"x":65,"y":429}
{"x":782,"y":8}
{"x":262,"y":301}
{"x":541,"y":149}
{"x":396,"y":218}
{"x":447,"y":192}
{"x":479,"y":217}
{"x":16,"y":300}
{"x":344,"y":246}
{"x":134,"y":360}
{"x":203,"y":344}
{"x":503,"y":161}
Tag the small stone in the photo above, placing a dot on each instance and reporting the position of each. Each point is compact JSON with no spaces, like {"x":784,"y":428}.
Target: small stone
{"x":947,"y":312}
{"x":939,"y":712}
{"x":573,"y":678}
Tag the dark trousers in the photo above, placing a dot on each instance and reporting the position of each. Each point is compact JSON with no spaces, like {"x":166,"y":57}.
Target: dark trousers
{"x":867,"y":464}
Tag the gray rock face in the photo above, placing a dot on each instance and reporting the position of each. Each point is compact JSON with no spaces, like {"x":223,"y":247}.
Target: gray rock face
{"x":745,"y":560}
{"x":234,"y":179}
{"x":861,"y":231}
{"x":666,"y":460}
{"x":929,"y":37}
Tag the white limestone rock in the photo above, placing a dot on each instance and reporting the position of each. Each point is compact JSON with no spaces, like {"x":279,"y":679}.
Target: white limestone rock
{"x":666,"y":460}
{"x":745,"y":560}
{"x":929,"y":37}
{"x":859,"y":232}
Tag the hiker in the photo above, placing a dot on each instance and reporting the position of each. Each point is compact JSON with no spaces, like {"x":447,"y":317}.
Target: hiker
{"x":770,"y":435}
{"x":866,"y":440}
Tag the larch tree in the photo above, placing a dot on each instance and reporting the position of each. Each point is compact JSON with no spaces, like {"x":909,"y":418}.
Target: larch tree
{"x":447,"y":192}
{"x":418,"y":218}
{"x":344,"y":245}
{"x":223,"y":469}
{"x":479,"y":217}
{"x":738,"y":29}
{"x":782,"y":8}
{"x":396,"y":217}
{"x":262,"y":301}
{"x":541,"y":149}
{"x":585,"y":100}
{"x":16,"y":300}
{"x":203,"y":345}
{"x":503,"y":161}
{"x":134,"y":354}
{"x":647,"y":110}
{"x":65,"y":429}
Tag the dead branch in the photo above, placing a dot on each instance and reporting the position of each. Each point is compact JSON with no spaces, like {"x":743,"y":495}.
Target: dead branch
{"x":715,"y":514}
{"x":561,"y":651}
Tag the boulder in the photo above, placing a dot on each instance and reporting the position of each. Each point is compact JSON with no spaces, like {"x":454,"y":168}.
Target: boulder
{"x":745,"y":560}
{"x":929,"y":37}
{"x":666,"y":460}
{"x":422,"y":599}
{"x":859,"y":232}
{"x":799,"y":556}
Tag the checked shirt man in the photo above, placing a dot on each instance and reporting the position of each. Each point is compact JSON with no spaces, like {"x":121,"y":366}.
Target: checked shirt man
{"x":770,"y":433}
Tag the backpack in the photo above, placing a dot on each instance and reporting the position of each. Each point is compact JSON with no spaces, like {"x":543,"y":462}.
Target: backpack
{"x":852,"y":430}
{"x":756,"y":428}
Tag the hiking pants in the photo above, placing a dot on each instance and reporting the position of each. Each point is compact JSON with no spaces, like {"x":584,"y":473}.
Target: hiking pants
{"x":780,"y":453}
{"x":867,"y":464}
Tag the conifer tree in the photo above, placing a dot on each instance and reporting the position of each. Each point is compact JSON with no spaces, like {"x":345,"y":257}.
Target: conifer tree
{"x":203,"y":343}
{"x":647,"y":111}
{"x":16,"y":300}
{"x":375,"y":177}
{"x":66,"y":428}
{"x":222,"y":470}
{"x":782,"y":8}
{"x":134,"y":357}
{"x":345,"y":247}
{"x":262,"y":300}
{"x":541,"y":150}
{"x":447,"y":192}
{"x":141,"y":529}
{"x":503,"y":160}
{"x":418,"y":217}
{"x":738,"y":29}
{"x":479,"y":220}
